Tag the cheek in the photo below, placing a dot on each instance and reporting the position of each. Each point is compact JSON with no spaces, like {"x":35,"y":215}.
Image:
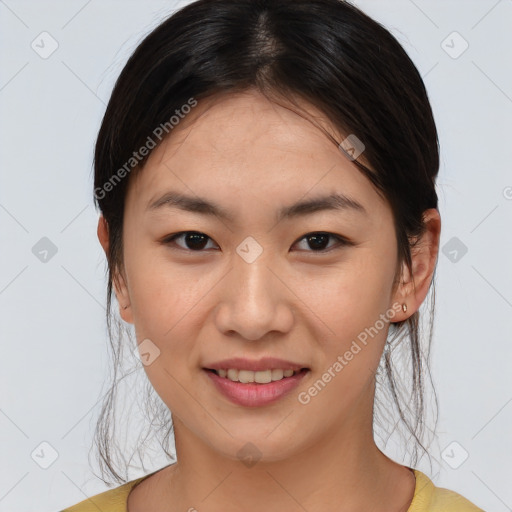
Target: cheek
{"x":161,"y":293}
{"x":352,"y":333}
{"x":352,"y":297}
{"x":166,"y":308}
{"x":168,"y":303}
{"x":355,"y":313}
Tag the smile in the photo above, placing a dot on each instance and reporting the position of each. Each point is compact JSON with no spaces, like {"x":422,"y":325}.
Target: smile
{"x":260,"y":377}
{"x":255,"y":388}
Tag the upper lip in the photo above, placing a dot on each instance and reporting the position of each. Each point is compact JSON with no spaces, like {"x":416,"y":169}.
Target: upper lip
{"x":265,"y":363}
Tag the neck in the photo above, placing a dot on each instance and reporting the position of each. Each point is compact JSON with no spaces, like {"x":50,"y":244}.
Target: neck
{"x":344,"y":471}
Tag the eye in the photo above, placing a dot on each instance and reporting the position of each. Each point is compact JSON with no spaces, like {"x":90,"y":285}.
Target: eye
{"x":319,"y":241}
{"x":193,"y":240}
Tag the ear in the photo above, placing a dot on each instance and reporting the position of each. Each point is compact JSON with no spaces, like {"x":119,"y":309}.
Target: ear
{"x":118,"y":280}
{"x":414,"y":286}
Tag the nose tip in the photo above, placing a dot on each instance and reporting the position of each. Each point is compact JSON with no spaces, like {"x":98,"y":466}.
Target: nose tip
{"x":252,"y":328}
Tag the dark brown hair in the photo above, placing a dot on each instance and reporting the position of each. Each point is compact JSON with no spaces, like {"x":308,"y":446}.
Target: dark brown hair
{"x":326,"y":52}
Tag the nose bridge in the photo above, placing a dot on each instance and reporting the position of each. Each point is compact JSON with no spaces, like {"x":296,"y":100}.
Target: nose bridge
{"x":253,"y":301}
{"x":255,"y":282}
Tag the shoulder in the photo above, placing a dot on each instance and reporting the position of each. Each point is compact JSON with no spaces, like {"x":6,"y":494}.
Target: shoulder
{"x":429,"y":498}
{"x":113,"y":500}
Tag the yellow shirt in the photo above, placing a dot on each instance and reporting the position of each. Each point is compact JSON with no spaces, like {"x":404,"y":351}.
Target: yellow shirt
{"x":427,"y":498}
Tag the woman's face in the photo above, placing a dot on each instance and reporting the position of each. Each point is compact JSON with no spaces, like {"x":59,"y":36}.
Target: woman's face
{"x":254,"y":285}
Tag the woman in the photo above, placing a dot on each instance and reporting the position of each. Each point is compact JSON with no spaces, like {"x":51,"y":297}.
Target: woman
{"x":265,"y":172}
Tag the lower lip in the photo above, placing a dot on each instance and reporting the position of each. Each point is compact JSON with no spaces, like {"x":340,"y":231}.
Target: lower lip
{"x":255,"y":395}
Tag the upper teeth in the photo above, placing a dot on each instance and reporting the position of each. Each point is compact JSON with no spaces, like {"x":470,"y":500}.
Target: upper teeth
{"x":261,"y":377}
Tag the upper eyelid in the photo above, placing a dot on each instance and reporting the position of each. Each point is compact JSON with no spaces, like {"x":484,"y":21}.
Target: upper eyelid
{"x":340,"y":239}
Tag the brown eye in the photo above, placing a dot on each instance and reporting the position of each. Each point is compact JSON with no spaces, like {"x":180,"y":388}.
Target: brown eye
{"x":319,"y":242}
{"x":192,"y":240}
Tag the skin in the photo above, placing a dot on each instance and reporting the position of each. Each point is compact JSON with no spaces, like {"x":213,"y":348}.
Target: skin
{"x":253,"y":157}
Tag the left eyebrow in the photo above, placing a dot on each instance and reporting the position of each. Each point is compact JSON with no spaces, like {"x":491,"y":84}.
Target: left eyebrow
{"x":205,"y":207}
{"x":330,"y":202}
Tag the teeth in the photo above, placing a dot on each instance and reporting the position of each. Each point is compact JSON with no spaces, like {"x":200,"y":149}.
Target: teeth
{"x":261,"y":377}
{"x":278,"y":374}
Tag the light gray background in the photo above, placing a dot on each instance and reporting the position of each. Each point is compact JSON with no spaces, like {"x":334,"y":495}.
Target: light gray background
{"x":54,"y":357}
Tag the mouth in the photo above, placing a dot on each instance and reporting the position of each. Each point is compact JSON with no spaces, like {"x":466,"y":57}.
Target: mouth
{"x":255,"y":388}
{"x":256,"y":377}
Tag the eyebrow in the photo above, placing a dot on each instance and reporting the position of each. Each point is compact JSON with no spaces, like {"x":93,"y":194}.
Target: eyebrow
{"x":199,"y":205}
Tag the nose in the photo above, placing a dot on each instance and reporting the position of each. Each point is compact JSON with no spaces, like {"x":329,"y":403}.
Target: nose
{"x":254,"y":301}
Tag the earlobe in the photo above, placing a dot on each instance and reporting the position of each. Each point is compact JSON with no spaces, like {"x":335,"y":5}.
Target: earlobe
{"x":415,"y":283}
{"x":118,"y":281}
{"x":401,"y":302}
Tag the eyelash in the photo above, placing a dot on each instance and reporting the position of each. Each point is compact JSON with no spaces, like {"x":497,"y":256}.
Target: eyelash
{"x":341,"y":240}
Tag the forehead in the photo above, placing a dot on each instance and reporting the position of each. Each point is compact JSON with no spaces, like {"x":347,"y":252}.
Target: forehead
{"x":240,"y":146}
{"x":243,"y":122}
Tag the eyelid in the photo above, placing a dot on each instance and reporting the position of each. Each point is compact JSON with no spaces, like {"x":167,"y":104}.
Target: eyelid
{"x":171,"y":238}
{"x":341,"y":240}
